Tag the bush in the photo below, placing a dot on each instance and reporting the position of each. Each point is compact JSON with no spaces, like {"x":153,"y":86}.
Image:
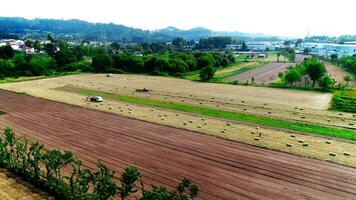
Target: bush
{"x":207,"y":73}
{"x":326,"y":82}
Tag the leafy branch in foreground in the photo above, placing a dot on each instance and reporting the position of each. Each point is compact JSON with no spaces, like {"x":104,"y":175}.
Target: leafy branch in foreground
{"x":63,"y":175}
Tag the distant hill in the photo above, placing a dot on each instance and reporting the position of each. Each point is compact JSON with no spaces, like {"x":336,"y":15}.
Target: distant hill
{"x":77,"y":30}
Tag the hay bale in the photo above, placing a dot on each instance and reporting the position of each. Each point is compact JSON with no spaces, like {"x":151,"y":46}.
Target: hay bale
{"x":165,"y":115}
{"x":288,"y":145}
{"x":332,"y":154}
{"x":351,"y":124}
{"x":242,"y":101}
{"x":269,"y":112}
{"x":257,"y":139}
{"x":130,"y":112}
{"x":252,"y":132}
{"x":302,"y":117}
{"x":328,"y":142}
{"x":301,"y":141}
{"x":109,"y":108}
{"x":198,"y":126}
{"x":227,"y":124}
{"x":177,"y":114}
{"x":293,"y":136}
{"x":222,"y":131}
{"x":191,"y":121}
{"x":204,"y":123}
{"x":245,"y":109}
{"x":184,"y":124}
{"x":341,"y":114}
{"x":305,"y":145}
{"x":202,"y":119}
{"x":346,"y":154}
{"x":257,"y":128}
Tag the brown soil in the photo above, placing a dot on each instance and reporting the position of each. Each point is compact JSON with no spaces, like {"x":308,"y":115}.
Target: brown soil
{"x":262,"y":75}
{"x":222,"y":169}
{"x":338,"y":74}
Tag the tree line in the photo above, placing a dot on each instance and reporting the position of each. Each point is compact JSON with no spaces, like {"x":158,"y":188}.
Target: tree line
{"x":63,"y":175}
{"x":348,"y":63}
{"x":313,"y":72}
{"x":61,"y":57}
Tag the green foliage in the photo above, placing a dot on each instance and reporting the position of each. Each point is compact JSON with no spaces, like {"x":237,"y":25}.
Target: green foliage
{"x":6,"y":52}
{"x":326,"y":82}
{"x":292,"y":76}
{"x":46,"y":169}
{"x":314,"y":68}
{"x":207,"y":73}
{"x":344,"y":101}
{"x":102,"y":63}
{"x":205,"y":60}
{"x":128,"y":179}
{"x":349,"y":63}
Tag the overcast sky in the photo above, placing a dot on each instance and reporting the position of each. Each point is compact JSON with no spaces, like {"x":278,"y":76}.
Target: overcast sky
{"x":295,"y":18}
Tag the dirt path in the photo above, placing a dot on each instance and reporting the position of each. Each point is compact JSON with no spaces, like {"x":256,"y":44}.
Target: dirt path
{"x":338,"y":74}
{"x":14,"y":188}
{"x":223,"y":169}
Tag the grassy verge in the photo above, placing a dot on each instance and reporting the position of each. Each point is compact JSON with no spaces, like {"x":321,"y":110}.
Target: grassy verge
{"x":344,"y":101}
{"x":31,"y":78}
{"x":207,"y":111}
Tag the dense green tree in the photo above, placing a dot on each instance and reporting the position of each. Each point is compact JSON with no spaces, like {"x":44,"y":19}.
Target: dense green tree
{"x":179,"y":42}
{"x":314,"y":68}
{"x":207,"y":73}
{"x":6,"y":52}
{"x":102,"y":63}
{"x":326,"y":82}
{"x":292,"y":76}
{"x":205,"y":60}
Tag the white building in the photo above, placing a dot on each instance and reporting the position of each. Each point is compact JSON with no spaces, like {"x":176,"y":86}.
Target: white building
{"x":328,"y":49}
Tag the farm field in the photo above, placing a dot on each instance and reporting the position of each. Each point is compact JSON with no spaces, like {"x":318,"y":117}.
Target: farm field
{"x":223,"y":169}
{"x":338,"y":74}
{"x":272,"y":138}
{"x":13,"y":188}
{"x":262,"y":75}
{"x":304,"y":106}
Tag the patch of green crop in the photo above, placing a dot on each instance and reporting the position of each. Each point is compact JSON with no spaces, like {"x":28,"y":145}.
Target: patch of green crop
{"x":344,"y":101}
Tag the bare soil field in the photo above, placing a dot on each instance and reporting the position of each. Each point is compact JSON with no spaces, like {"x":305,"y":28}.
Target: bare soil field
{"x":13,"y":188}
{"x":300,"y":57}
{"x":262,"y":75}
{"x":338,"y":74}
{"x":223,"y":169}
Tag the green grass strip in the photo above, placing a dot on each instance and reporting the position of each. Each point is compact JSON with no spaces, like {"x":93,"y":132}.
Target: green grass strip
{"x":207,"y":111}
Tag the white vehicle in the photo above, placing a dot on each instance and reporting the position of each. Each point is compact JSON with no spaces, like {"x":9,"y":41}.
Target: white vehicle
{"x":108,"y":75}
{"x":95,"y":99}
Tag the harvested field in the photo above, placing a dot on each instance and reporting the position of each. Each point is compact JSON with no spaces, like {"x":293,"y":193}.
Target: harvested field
{"x":300,"y":57}
{"x":338,"y":74}
{"x":262,"y":75}
{"x":14,"y":188}
{"x":253,"y":96}
{"x":222,"y":169}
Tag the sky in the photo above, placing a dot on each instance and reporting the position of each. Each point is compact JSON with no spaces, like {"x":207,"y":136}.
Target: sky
{"x":291,"y":18}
